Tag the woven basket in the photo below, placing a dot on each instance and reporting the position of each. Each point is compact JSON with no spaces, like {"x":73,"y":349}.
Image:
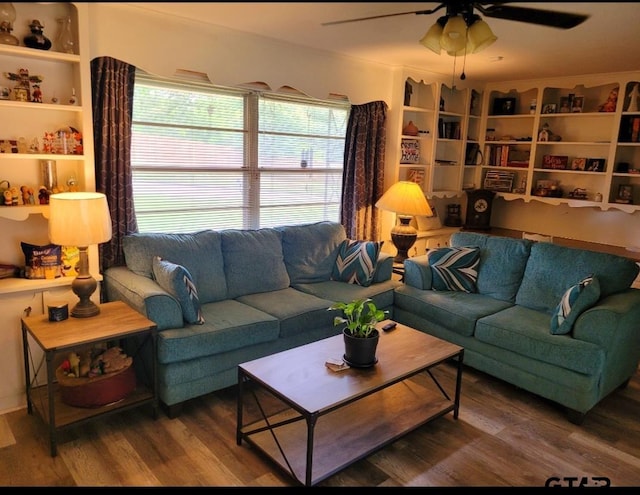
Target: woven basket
{"x":96,"y":391}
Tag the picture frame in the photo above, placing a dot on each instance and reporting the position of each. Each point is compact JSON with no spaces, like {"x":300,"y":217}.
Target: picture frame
{"x":565,"y":105}
{"x":504,"y":106}
{"x":579,"y":164}
{"x":625,"y":194}
{"x":577,"y":104}
{"x":410,"y":151}
{"x":549,"y":108}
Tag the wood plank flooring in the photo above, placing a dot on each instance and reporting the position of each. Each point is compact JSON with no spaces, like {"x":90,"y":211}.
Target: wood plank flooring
{"x":504,"y":436}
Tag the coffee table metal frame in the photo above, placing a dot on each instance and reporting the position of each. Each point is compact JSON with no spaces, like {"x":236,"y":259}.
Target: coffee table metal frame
{"x":369,"y":409}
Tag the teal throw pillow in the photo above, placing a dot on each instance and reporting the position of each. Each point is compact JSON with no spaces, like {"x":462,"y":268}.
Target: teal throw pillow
{"x":576,"y":299}
{"x":454,"y":268}
{"x":177,"y":281}
{"x":356,"y":262}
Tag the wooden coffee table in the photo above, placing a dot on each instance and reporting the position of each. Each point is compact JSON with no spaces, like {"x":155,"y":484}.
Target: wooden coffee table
{"x":313,"y":422}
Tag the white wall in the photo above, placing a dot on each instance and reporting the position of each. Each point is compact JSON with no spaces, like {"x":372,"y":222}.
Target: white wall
{"x":161,"y":44}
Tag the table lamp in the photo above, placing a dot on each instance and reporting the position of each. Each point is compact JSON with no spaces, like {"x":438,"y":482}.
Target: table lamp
{"x":80,"y":219}
{"x":406,"y":199}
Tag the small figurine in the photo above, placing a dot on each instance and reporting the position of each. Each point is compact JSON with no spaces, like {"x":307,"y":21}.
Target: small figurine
{"x":22,"y":91}
{"x":544,"y":133}
{"x":36,"y":94}
{"x":27,"y":195}
{"x":37,"y":39}
{"x":43,"y":195}
{"x":7,"y":197}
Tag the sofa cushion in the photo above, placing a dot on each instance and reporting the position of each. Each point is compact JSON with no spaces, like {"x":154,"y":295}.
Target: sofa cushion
{"x":253,"y":261}
{"x":546,"y":276}
{"x":298,"y":312}
{"x":310,"y":250}
{"x":454,"y":268}
{"x":457,"y":311}
{"x":200,"y":253}
{"x":356,"y":262}
{"x":526,"y":332}
{"x":334,"y":291}
{"x":502,"y":262}
{"x":229,"y":325}
{"x":577,"y":299}
{"x":177,"y":281}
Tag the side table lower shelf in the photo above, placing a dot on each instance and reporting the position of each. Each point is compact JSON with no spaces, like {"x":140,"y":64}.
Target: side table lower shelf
{"x":67,"y":416}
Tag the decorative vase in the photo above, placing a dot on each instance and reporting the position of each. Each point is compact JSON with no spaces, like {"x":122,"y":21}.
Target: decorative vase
{"x":410,"y":129}
{"x":360,"y":352}
{"x":65,"y":41}
{"x":37,"y":39}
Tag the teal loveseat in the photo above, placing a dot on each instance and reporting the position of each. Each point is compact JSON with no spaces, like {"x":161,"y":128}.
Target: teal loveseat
{"x":505,"y":326}
{"x":259,"y":291}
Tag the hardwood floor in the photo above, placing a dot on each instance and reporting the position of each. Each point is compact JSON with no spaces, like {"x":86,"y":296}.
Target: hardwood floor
{"x":504,"y":436}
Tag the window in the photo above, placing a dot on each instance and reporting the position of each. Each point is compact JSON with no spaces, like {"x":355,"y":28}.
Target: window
{"x":216,"y":158}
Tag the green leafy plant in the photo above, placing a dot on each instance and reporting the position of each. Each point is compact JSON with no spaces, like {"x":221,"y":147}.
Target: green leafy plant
{"x":359,"y":315}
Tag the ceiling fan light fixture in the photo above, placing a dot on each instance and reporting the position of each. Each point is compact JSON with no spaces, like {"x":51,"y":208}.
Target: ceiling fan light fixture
{"x":431,"y":39}
{"x":480,"y":36}
{"x":454,"y":34}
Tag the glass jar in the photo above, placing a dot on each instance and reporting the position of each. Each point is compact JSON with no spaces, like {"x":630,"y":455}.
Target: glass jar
{"x":491,"y":134}
{"x":65,"y":41}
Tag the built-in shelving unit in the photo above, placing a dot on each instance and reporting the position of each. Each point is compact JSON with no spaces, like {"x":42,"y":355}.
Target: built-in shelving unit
{"x":556,"y":143}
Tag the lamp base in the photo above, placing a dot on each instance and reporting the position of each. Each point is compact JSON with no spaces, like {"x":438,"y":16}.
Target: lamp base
{"x":403,"y":236}
{"x":83,"y":287}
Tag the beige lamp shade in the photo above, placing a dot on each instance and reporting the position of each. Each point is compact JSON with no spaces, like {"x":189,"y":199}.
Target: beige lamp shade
{"x":405,"y":198}
{"x":79,"y":219}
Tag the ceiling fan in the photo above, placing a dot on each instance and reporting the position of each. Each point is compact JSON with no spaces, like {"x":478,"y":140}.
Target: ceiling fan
{"x":543,"y":17}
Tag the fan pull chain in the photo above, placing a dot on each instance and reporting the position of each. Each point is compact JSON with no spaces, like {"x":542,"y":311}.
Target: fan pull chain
{"x":463,"y":76}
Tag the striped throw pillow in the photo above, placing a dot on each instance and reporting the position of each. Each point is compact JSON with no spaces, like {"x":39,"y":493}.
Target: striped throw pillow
{"x":177,"y":281}
{"x":454,"y":268}
{"x":576,"y":299}
{"x":356,"y":262}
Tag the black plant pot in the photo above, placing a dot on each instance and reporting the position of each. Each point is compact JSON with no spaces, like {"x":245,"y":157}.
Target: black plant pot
{"x":360,"y":352}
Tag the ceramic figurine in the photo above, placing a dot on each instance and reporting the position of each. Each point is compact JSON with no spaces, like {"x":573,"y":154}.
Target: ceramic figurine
{"x":36,"y":39}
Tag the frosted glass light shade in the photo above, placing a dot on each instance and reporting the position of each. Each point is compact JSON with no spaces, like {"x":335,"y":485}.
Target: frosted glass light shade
{"x":431,"y":39}
{"x":405,"y":198}
{"x":454,"y":34}
{"x":480,"y":36}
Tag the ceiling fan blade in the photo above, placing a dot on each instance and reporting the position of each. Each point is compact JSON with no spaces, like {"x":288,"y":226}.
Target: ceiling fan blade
{"x":418,"y":12}
{"x":562,"y":20}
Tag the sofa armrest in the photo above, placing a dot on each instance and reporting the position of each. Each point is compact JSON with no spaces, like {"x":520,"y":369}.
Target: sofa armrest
{"x":614,"y":325}
{"x":384,"y":268}
{"x":144,"y":295}
{"x":417,"y":272}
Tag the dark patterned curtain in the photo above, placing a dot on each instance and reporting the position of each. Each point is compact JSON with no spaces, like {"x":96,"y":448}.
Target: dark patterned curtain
{"x":112,"y":83}
{"x":363,"y":174}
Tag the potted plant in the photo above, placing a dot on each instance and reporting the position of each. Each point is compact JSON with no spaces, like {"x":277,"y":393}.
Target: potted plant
{"x":360,"y":318}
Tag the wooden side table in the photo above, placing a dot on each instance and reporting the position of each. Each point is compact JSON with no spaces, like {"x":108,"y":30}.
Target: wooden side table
{"x":116,"y":320}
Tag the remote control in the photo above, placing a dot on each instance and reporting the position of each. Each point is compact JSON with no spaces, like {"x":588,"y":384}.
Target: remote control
{"x":389,"y":326}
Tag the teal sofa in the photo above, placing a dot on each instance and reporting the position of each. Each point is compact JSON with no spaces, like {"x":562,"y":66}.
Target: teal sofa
{"x":505,"y":326}
{"x":260,"y":291}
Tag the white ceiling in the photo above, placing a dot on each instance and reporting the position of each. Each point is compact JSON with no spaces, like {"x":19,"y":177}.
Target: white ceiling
{"x":609,"y":41}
